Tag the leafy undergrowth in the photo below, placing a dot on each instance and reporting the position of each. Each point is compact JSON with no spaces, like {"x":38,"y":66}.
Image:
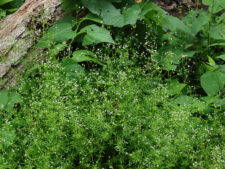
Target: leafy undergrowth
{"x":115,"y":117}
{"x":125,"y":86}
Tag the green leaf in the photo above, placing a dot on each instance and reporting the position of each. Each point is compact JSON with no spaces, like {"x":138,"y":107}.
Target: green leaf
{"x":214,"y":5}
{"x":188,"y":100}
{"x":221,"y":57}
{"x":174,"y":87}
{"x":212,"y":82}
{"x":8,"y":100}
{"x":131,"y":15}
{"x":61,"y":31}
{"x":71,"y":67}
{"x":95,"y":35}
{"x":93,"y":18}
{"x":69,"y":5}
{"x":111,"y":15}
{"x":208,"y":67}
{"x":173,"y":24}
{"x":4,"y":98}
{"x":199,"y":22}
{"x":195,"y":21}
{"x":96,"y":6}
{"x":147,"y":7}
{"x":217,"y":44}
{"x":13,"y":99}
{"x":217,"y":32}
{"x":57,"y":49}
{"x":211,"y":61}
{"x":3,"y":2}
{"x":85,"y":55}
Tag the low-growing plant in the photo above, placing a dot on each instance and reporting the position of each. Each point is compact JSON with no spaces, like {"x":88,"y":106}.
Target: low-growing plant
{"x":116,"y":117}
{"x":119,"y":90}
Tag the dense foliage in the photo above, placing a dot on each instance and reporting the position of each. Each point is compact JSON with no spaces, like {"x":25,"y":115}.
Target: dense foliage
{"x":124,"y":86}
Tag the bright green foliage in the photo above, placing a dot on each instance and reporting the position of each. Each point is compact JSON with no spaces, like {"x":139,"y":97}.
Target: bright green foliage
{"x":95,"y":35}
{"x":212,"y":82}
{"x":70,"y":5}
{"x":221,"y":57}
{"x":61,"y":31}
{"x":111,"y":15}
{"x":119,"y":116}
{"x":214,"y":5}
{"x":150,"y":97}
{"x":85,"y":55}
{"x":174,"y":87}
{"x":8,"y":100}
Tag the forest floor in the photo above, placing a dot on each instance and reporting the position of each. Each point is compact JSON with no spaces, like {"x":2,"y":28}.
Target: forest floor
{"x":144,"y":95}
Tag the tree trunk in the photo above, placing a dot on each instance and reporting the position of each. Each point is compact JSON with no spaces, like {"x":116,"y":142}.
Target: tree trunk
{"x":19,"y":32}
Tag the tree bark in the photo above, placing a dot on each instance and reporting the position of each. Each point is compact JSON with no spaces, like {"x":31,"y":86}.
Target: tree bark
{"x":20,"y":31}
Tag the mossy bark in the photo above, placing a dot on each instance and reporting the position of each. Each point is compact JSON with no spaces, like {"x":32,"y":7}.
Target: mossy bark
{"x":20,"y":31}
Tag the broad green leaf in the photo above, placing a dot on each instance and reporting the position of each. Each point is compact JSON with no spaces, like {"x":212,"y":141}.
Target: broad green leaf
{"x":131,"y":15}
{"x":212,"y":82}
{"x":85,"y":55}
{"x":96,"y":6}
{"x":57,"y":49}
{"x":211,"y":99}
{"x":173,"y":24}
{"x":214,"y":5}
{"x":4,"y":98}
{"x":61,"y":31}
{"x":199,"y":22}
{"x":220,"y":68}
{"x":8,"y":100}
{"x":221,"y":57}
{"x":71,"y":67}
{"x":69,"y":5}
{"x":111,"y":15}
{"x":3,"y":2}
{"x":95,"y":35}
{"x":13,"y":99}
{"x":188,"y":100}
{"x":93,"y":18}
{"x":174,"y":87}
{"x":195,"y":21}
{"x":217,"y":32}
{"x":183,"y":54}
{"x":147,"y":7}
